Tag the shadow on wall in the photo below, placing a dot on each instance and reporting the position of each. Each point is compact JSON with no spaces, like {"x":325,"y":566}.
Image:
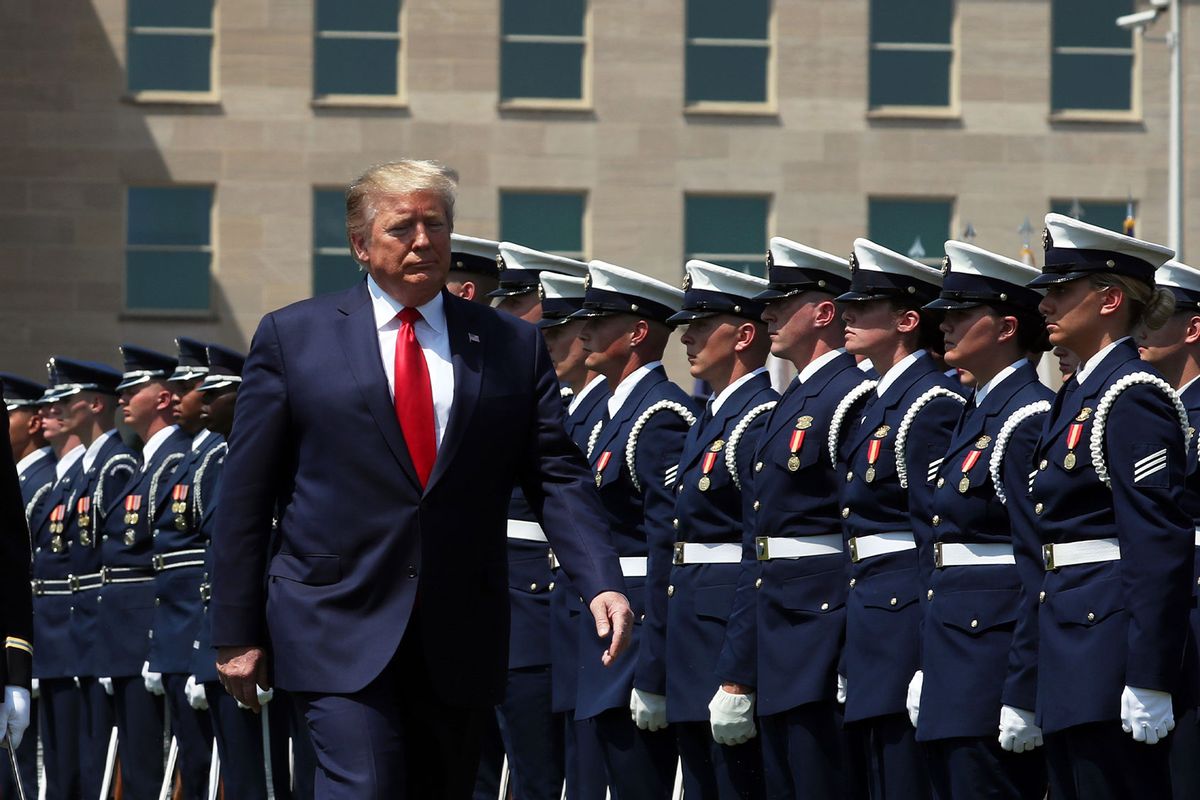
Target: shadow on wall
{"x":69,"y":148}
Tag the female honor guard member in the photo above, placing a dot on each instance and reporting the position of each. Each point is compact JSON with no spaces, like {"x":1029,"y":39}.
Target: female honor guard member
{"x":991,"y":324}
{"x":727,"y":346}
{"x":785,"y":633}
{"x":634,"y":452}
{"x":1107,"y":487}
{"x":895,"y":441}
{"x":1174,"y":350}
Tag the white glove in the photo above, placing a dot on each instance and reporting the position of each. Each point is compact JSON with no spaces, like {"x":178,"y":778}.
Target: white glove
{"x":1018,"y":732}
{"x":1147,"y":714}
{"x":14,"y":714}
{"x":153,"y":680}
{"x":732,"y":717}
{"x":106,"y":683}
{"x":264,"y":696}
{"x":196,"y":697}
{"x":36,"y":691}
{"x":649,"y":710}
{"x":913,"y":701}
{"x":841,"y":689}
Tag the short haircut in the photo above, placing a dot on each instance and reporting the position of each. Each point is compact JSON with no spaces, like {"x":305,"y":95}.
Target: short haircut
{"x":397,"y":177}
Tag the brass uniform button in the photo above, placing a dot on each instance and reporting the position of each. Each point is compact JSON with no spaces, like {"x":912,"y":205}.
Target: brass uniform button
{"x":1044,"y":464}
{"x":893,"y":601}
{"x":1041,"y":597}
{"x":845,"y":512}
{"x":853,"y":581}
{"x":1091,"y":617}
{"x":758,"y":467}
{"x":757,"y":505}
{"x":941,"y":482}
{"x":551,"y":586}
{"x":675,"y":523}
{"x":929,"y":595}
{"x":758,"y":583}
{"x":849,"y":476}
{"x":824,"y":606}
{"x":936,"y":520}
{"x":670,"y":591}
{"x":1039,"y":508}
{"x":533,"y":587}
{"x":974,"y":623}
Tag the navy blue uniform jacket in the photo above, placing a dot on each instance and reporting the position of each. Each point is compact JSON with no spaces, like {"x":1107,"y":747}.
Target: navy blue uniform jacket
{"x":315,"y":440}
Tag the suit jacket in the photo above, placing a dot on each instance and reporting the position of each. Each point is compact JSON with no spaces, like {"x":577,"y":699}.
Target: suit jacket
{"x":207,"y":483}
{"x":36,"y":479}
{"x":53,"y":602}
{"x":16,"y":609}
{"x":316,"y":442}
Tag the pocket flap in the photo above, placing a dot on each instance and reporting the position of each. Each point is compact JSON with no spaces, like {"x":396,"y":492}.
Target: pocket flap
{"x":1088,"y":605}
{"x":814,"y":594}
{"x":714,"y":601}
{"x":976,"y":612}
{"x":891,"y":592}
{"x":314,"y":569}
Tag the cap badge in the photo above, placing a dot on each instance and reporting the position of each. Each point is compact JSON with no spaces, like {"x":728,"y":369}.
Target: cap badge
{"x":541,"y":292}
{"x":587,"y":281}
{"x":770,"y":259}
{"x":500,"y":261}
{"x":945,"y":266}
{"x":1047,"y":241}
{"x":687,"y":281}
{"x":853,"y":263}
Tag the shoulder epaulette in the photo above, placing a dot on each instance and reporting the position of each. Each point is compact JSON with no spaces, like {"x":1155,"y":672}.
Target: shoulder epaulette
{"x":118,"y":463}
{"x":1006,"y":431}
{"x":906,"y":422}
{"x":631,"y":445}
{"x":839,"y":415}
{"x":1110,"y":397}
{"x":218,"y":453}
{"x":735,"y":438}
{"x":33,"y":501}
{"x":168,"y":463}
{"x":594,"y":437}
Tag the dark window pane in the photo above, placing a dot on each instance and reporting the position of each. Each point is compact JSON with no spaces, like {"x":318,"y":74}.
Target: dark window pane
{"x":334,"y":273}
{"x":756,"y":266}
{"x":177,"y":215}
{"x":356,"y":66}
{"x":543,"y":17}
{"x":169,"y":63}
{"x":896,"y":224}
{"x":329,"y":218}
{"x":1090,"y":23}
{"x":167,"y":281}
{"x":541,"y":70}
{"x":1104,"y":213}
{"x":734,"y":74}
{"x":550,"y":222}
{"x":745,"y":19}
{"x":910,"y":78}
{"x":358,"y":15}
{"x":1091,"y":82}
{"x":725,"y":224}
{"x":170,"y":13}
{"x":912,"y":21}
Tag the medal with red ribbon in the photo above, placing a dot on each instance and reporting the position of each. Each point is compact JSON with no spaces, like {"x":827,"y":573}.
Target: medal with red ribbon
{"x":179,"y":498}
{"x":968,"y":463}
{"x":794,"y":445}
{"x":56,"y":518}
{"x":601,"y":463}
{"x":872,"y":456}
{"x":706,"y":466}
{"x":82,"y":507}
{"x":1074,"y":434}
{"x":132,"y":504}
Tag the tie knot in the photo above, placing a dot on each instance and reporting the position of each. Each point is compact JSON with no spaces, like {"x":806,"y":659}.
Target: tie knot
{"x":410,"y":316}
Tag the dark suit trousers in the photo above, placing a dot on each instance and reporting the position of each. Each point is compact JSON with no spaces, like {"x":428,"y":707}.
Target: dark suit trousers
{"x":977,"y":768}
{"x":806,"y":754}
{"x":394,"y":738}
{"x":716,"y":772}
{"x":192,"y":730}
{"x":896,"y":762}
{"x":140,"y":728}
{"x":532,"y":734}
{"x":59,"y":705}
{"x":1099,"y":761}
{"x":95,"y":732}
{"x":640,"y":764}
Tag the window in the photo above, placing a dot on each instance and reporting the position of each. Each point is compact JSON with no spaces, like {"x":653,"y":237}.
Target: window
{"x":169,"y":46}
{"x":728,"y":230}
{"x":912,"y":54}
{"x":1109,"y":214}
{"x":334,"y":268}
{"x":168,"y":248}
{"x":543,"y":50}
{"x":917,"y":228}
{"x":728,"y":52}
{"x":1092,"y":60}
{"x":548,"y":221}
{"x":357,"y":49}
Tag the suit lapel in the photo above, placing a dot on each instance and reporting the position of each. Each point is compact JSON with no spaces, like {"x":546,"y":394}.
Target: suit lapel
{"x":632,"y":404}
{"x":467,"y":353}
{"x":895,"y":393}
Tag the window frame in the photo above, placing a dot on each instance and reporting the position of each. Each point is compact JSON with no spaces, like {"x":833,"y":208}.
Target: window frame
{"x":175,"y":96}
{"x":953,"y":108}
{"x":750,"y":108}
{"x":353,"y":100}
{"x":316,"y":250}
{"x":582,"y":103}
{"x":1120,"y":203}
{"x":211,"y":249}
{"x":724,"y":259}
{"x":585,"y":217}
{"x":951,"y":222}
{"x":1132,"y":114}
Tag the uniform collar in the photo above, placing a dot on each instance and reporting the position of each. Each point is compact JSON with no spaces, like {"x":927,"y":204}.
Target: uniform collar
{"x":67,"y":461}
{"x":898,"y":369}
{"x":727,"y":392}
{"x":156,"y":441}
{"x":578,"y":399}
{"x":1187,"y":386}
{"x":199,"y":438}
{"x":385,"y":308}
{"x":93,"y":451}
{"x":626,"y":387}
{"x":983,"y":391}
{"x":28,"y":461}
{"x":814,"y":366}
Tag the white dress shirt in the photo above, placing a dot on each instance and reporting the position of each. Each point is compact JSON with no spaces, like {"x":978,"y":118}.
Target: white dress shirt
{"x":719,"y":400}
{"x":67,"y":461}
{"x":199,"y":438}
{"x":28,"y":461}
{"x":156,"y":441}
{"x":1088,"y":366}
{"x":434,"y":338}
{"x":982,"y":392}
{"x":626,"y":387}
{"x":814,"y":366}
{"x":93,"y":451}
{"x":896,"y":371}
{"x":591,"y":387}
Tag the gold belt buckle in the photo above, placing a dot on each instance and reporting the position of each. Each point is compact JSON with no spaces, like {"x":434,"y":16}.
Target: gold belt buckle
{"x":854,"y":550}
{"x":104,"y":571}
{"x":937,"y":555}
{"x":1048,"y":556}
{"x":156,"y":561}
{"x":73,"y":583}
{"x":762,"y":548}
{"x":677,"y":559}
{"x":553,"y":559}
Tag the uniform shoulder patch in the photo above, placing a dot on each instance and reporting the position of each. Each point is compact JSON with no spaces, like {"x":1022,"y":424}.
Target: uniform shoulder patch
{"x":910,"y":416}
{"x":631,"y":445}
{"x":735,"y":439}
{"x":840,"y":413}
{"x":1148,"y":464}
{"x":1002,"y":438}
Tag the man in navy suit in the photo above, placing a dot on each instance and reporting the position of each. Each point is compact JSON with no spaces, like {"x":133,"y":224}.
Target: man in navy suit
{"x":385,"y":603}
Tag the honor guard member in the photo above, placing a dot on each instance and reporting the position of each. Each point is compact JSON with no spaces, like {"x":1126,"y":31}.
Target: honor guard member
{"x":586,"y":393}
{"x":726,"y":343}
{"x":791,"y":596}
{"x":1117,"y":545}
{"x":634,"y":452}
{"x":127,"y":597}
{"x":991,"y":325}
{"x":1174,"y":350}
{"x":895,"y":440}
{"x":531,"y":731}
{"x":180,"y":548}
{"x":474,"y":273}
{"x":85,"y":400}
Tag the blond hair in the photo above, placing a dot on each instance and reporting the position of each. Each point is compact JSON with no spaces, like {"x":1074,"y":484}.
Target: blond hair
{"x":1150,"y":306}
{"x":397,"y":177}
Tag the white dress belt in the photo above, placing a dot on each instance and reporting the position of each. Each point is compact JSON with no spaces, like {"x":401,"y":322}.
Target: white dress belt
{"x":767,"y":548}
{"x":1089,"y":551}
{"x":880,"y":544}
{"x":964,"y":554}
{"x":525,"y":530}
{"x":633,"y":566}
{"x":695,"y":553}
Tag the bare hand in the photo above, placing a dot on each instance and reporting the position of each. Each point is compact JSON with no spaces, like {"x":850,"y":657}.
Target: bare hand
{"x":736,"y":688}
{"x":243,"y":670}
{"x":612,"y":613}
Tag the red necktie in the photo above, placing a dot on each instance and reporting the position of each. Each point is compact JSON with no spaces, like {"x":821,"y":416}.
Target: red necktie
{"x":414,"y":396}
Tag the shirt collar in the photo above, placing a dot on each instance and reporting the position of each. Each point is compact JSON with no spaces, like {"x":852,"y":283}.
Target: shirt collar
{"x":577,"y":399}
{"x":1089,"y":366}
{"x":93,"y":451}
{"x":987,"y":388}
{"x":1187,"y":385}
{"x":727,"y":392}
{"x":156,"y":441}
{"x":812,"y":367}
{"x":896,"y":371}
{"x":626,"y":387}
{"x":386,"y":307}
{"x":67,"y":461}
{"x":31,"y":459}
{"x":199,"y":438}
